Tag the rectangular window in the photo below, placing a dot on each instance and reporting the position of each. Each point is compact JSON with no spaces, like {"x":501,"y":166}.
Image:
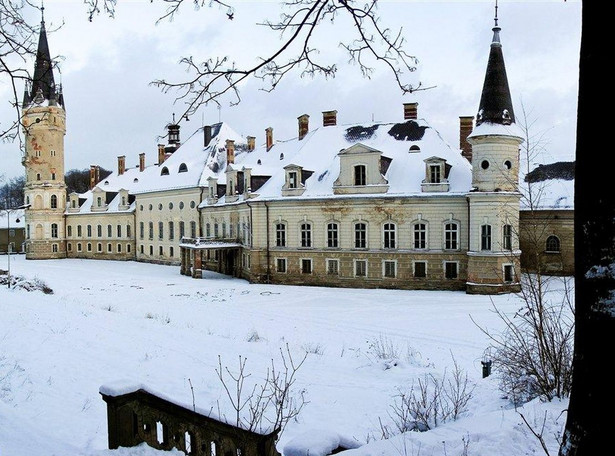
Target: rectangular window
{"x":360,"y":268}
{"x":306,"y":266}
{"x":160,"y":230}
{"x":333,"y":267}
{"x":420,"y":236}
{"x":128,"y":231}
{"x":207,"y":229}
{"x":171,"y":231}
{"x":78,"y":230}
{"x":450,"y":270}
{"x":434,"y":174}
{"x":507,"y":237}
{"x":292,"y":179}
{"x":280,"y":265}
{"x":306,"y":235}
{"x":69,"y":231}
{"x":389,"y":269}
{"x":141,"y":230}
{"x":420,"y":269}
{"x":389,"y":235}
{"x":182,"y":230}
{"x":119,"y":231}
{"x":109,"y":231}
{"x":360,"y":236}
{"x":451,"y":235}
{"x":280,"y":235}
{"x":332,"y":235}
{"x":151,"y":230}
{"x":485,"y":237}
{"x":509,"y":273}
{"x":193,"y":229}
{"x":360,"y":175}
{"x":99,"y":231}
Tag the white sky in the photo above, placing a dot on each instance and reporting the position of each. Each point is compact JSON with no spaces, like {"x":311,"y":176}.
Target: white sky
{"x":112,"y":110}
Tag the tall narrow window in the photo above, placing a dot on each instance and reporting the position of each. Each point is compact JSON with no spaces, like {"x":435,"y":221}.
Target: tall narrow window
{"x":485,"y":237}
{"x":54,"y":202}
{"x":434,"y":174}
{"x":306,"y":235}
{"x":292,"y":179}
{"x":54,"y":230}
{"x":389,"y":235}
{"x":280,"y":235}
{"x":69,"y":231}
{"x":160,"y":230}
{"x":451,"y":236}
{"x":119,"y":231}
{"x":78,"y":230}
{"x":360,"y":235}
{"x":171,"y":231}
{"x":420,"y":236}
{"x":151,"y":230}
{"x":193,"y":229}
{"x":332,"y":235}
{"x":507,"y":237}
{"x":509,"y":273}
{"x":141,"y":230}
{"x":360,"y":175}
{"x":89,"y":231}
{"x":109,"y":231}
{"x":99,"y":231}
{"x":128,"y":231}
{"x":182,"y":229}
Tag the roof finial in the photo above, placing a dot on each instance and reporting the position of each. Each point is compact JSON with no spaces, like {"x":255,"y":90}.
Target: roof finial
{"x":496,"y":13}
{"x":496,"y":29}
{"x":42,"y":12}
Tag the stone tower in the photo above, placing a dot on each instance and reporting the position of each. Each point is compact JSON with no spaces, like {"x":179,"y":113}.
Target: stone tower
{"x":44,"y":126}
{"x":493,"y":254}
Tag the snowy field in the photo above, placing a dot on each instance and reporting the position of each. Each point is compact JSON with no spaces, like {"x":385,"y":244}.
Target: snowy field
{"x":147,"y":324}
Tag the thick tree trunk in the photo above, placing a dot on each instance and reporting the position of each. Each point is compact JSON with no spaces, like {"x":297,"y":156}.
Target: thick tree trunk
{"x":590,"y":422}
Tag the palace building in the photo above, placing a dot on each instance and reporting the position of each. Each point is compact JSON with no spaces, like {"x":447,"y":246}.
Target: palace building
{"x":373,"y":205}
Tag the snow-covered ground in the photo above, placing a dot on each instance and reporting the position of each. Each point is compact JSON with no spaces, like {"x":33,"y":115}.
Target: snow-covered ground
{"x":147,"y":324}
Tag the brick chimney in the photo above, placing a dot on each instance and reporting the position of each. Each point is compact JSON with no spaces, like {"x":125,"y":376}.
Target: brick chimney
{"x":329,"y":118}
{"x":269,"y":138}
{"x":141,"y":161}
{"x":304,"y":125}
{"x":251,"y":143}
{"x":94,"y":175}
{"x":206,"y":135}
{"x":161,"y":154}
{"x":410,"y":111}
{"x":466,"y":125}
{"x":121,"y":165}
{"x":230,"y":151}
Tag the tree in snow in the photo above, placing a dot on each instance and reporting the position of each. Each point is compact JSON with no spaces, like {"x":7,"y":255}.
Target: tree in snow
{"x":588,"y":426}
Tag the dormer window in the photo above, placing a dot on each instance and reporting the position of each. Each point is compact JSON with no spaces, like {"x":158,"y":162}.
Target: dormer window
{"x":435,"y":174}
{"x":183,"y":168}
{"x":360,"y":175}
{"x":165,"y":171}
{"x":292,"y":179}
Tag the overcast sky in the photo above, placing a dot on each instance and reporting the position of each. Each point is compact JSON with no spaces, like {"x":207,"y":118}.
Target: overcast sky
{"x":107,"y":65}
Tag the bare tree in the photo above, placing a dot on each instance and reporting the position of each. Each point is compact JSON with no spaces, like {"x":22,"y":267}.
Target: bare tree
{"x":219,"y":78}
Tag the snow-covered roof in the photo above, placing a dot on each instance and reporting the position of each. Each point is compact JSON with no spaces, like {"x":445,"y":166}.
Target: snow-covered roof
{"x":188,"y":167}
{"x":548,"y":186}
{"x":407,"y":144}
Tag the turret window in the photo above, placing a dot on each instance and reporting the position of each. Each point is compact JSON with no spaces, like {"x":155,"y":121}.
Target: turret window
{"x":484,"y":164}
{"x":485,"y":237}
{"x":507,"y":237}
{"x":54,"y":202}
{"x":508,"y":164}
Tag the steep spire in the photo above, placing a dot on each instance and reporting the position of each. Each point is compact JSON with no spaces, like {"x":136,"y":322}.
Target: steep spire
{"x":495,"y":102}
{"x":43,"y":86}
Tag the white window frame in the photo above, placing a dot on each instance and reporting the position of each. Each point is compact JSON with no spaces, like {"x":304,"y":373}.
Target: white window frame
{"x":456,"y":263}
{"x":384,"y":265}
{"x":335,"y":261}
{"x":354,"y":267}
{"x":414,"y":263}
{"x":389,"y":232}
{"x":311,"y":266}
{"x":277,"y":265}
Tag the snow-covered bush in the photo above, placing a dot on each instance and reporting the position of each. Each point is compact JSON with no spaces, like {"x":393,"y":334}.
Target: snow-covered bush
{"x":21,"y":283}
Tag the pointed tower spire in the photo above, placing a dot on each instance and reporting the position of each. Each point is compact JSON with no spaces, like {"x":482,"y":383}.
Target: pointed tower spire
{"x":495,"y":102}
{"x":43,"y":85}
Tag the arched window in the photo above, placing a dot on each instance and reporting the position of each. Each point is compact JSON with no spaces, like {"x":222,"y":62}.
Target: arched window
{"x":183,"y":168}
{"x":360,"y":235}
{"x":99,"y":231}
{"x":54,"y":202}
{"x":553,"y":244}
{"x":360,"y":175}
{"x":389,"y":236}
{"x":165,"y":171}
{"x":332,"y":235}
